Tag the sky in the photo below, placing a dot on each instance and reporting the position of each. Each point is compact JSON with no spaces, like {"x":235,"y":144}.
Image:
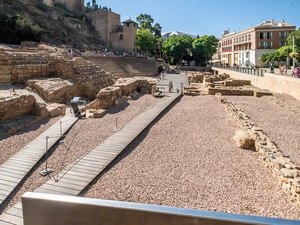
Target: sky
{"x":210,"y":17}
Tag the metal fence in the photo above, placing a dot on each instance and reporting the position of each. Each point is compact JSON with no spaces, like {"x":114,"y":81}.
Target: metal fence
{"x":252,"y":71}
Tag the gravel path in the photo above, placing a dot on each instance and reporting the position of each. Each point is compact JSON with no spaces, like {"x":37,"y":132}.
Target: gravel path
{"x":189,"y":159}
{"x":280,"y":125}
{"x":84,"y":136}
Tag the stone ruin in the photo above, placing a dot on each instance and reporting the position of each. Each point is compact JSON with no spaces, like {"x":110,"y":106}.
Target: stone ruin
{"x":207,"y":83}
{"x":44,"y":81}
{"x":282,"y":168}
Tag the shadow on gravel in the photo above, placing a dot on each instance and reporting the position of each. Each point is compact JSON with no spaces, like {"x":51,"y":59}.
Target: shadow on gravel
{"x":131,"y":147}
{"x":118,"y":108}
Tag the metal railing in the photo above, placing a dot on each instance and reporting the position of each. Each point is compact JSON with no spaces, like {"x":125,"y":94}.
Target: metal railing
{"x":246,"y":70}
{"x":58,"y":209}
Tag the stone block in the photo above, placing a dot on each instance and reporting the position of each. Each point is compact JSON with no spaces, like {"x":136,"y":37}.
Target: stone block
{"x":99,"y":113}
{"x":286,"y":173}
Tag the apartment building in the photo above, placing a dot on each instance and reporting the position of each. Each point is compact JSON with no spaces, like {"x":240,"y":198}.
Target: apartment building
{"x":245,"y":47}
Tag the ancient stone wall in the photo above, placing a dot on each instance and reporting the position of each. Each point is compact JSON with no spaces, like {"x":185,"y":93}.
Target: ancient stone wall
{"x":16,"y":106}
{"x":283,"y":170}
{"x":105,"y":22}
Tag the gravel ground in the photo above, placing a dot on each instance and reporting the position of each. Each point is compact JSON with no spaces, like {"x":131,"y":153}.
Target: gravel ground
{"x":278,"y":121}
{"x":189,"y":159}
{"x":11,"y":144}
{"x":84,"y":136}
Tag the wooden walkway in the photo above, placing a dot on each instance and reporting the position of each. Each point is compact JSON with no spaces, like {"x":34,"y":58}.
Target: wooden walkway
{"x":14,"y":170}
{"x":75,"y":177}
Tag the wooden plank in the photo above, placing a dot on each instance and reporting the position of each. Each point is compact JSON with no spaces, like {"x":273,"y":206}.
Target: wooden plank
{"x":18,"y":162}
{"x":5,"y":192}
{"x":13,"y":166}
{"x":11,"y":219}
{"x":8,"y":183}
{"x":4,"y":188}
{"x":76,"y":178}
{"x":15,"y":175}
{"x":2,"y":197}
{"x":63,"y":190}
{"x":4,"y":223}
{"x":46,"y":191}
{"x":66,"y":185}
{"x":80,"y":174}
{"x":67,"y":180}
{"x":15,"y":211}
{"x":9,"y":178}
{"x":12,"y":170}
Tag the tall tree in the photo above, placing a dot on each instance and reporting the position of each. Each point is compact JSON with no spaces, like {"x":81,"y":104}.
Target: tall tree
{"x":146,"y":41}
{"x":177,"y":47}
{"x":145,"y":21}
{"x":206,"y":46}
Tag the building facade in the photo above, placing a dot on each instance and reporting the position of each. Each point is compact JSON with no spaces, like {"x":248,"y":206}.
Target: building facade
{"x":112,"y":33}
{"x":125,"y":38}
{"x":244,"y":48}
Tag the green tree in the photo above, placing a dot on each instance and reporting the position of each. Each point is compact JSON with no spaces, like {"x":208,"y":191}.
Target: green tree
{"x":145,"y":21}
{"x":14,"y":29}
{"x":177,"y":47}
{"x":265,"y":58}
{"x":206,"y":46}
{"x":146,"y":41}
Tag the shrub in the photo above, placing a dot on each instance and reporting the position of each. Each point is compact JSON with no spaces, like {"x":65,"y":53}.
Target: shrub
{"x":42,"y":6}
{"x":14,"y":29}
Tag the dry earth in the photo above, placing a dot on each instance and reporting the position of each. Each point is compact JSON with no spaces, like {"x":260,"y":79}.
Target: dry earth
{"x":84,"y":136}
{"x":187,"y":158}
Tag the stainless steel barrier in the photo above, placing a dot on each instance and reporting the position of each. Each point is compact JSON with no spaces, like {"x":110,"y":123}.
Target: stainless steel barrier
{"x":51,"y":209}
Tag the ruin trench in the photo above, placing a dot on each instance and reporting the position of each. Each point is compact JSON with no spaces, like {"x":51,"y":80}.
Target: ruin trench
{"x":279,"y":156}
{"x":189,"y":159}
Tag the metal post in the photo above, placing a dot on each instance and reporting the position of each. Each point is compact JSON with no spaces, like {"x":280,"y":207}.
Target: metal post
{"x":293,"y":52}
{"x":60,"y":124}
{"x":116,"y":124}
{"x":181,"y":88}
{"x":46,"y":151}
{"x":47,"y":170}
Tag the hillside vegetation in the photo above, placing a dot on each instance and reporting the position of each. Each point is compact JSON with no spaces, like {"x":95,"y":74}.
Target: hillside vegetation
{"x":35,"y":21}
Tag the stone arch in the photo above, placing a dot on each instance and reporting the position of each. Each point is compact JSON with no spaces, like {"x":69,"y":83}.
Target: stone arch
{"x":160,"y":66}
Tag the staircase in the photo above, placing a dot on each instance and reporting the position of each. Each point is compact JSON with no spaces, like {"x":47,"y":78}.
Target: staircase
{"x":92,"y":77}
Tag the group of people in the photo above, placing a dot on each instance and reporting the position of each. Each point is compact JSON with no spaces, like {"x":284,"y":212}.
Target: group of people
{"x":283,"y":70}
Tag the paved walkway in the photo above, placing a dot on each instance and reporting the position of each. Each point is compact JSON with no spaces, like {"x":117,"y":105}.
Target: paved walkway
{"x":75,"y":177}
{"x":14,"y":170}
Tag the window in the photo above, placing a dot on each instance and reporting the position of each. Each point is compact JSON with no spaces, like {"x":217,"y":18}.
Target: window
{"x":261,"y":35}
{"x":239,"y":39}
{"x":269,"y":44}
{"x":242,"y":38}
{"x":245,"y":37}
{"x":269,"y":35}
{"x":261,"y":45}
{"x":249,"y":37}
{"x":121,"y":36}
{"x":133,"y":43}
{"x":247,"y":54}
{"x":282,"y":43}
{"x":282,"y":35}
{"x":127,"y":24}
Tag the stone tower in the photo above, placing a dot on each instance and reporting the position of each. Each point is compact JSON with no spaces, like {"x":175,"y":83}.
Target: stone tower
{"x":125,"y":38}
{"x":105,"y":22}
